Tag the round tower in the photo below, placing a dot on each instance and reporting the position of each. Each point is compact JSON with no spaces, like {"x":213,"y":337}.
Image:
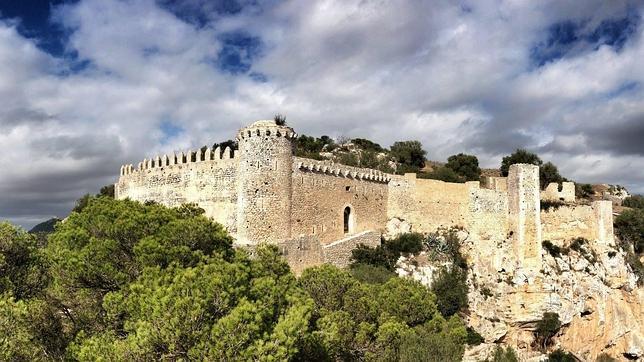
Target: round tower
{"x":264,"y":182}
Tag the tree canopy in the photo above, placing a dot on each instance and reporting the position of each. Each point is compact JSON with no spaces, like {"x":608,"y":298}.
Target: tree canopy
{"x":466,"y":166}
{"x":409,"y":154}
{"x":519,"y":156}
{"x":121,"y":280}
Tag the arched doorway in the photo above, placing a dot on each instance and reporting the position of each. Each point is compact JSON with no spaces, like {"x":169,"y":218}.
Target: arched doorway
{"x":348,"y":220}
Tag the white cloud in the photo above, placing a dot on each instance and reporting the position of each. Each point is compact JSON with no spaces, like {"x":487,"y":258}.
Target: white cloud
{"x":457,"y":76}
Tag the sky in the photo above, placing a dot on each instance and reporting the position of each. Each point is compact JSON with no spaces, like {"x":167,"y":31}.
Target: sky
{"x":88,"y":85}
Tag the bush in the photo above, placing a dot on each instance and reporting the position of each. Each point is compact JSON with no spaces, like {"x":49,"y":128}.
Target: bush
{"x":473,"y":337}
{"x":546,"y":328}
{"x":561,"y":356}
{"x":635,"y":201}
{"x":379,"y":256}
{"x":371,"y":274}
{"x":578,"y":243}
{"x":450,"y":288}
{"x":386,"y":255}
{"x":551,"y":204}
{"x":629,"y":226}
{"x":408,"y":243}
{"x":552,"y":249}
{"x":584,"y":191}
{"x":504,"y":355}
{"x":23,"y":272}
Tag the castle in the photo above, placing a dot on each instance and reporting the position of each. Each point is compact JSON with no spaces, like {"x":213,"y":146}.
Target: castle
{"x":318,"y":211}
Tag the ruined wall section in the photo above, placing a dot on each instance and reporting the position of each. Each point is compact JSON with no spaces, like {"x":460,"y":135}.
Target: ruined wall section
{"x":593,"y":222}
{"x":172,"y":180}
{"x":494,"y":183}
{"x":525,"y":216}
{"x":552,"y":193}
{"x":322,"y":191}
{"x":428,"y":204}
{"x":488,"y":213}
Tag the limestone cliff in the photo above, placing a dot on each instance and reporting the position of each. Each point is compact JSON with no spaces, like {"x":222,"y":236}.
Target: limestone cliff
{"x":589,"y":286}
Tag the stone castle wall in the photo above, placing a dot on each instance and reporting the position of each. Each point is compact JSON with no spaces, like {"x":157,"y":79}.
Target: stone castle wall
{"x":173,"y":180}
{"x":552,"y":193}
{"x":592,"y":222}
{"x":427,"y":204}
{"x":315,"y":210}
{"x":322,"y":191}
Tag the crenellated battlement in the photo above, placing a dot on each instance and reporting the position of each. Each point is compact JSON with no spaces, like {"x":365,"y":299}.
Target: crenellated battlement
{"x":180,"y":158}
{"x":266,"y":128}
{"x":327,"y":168}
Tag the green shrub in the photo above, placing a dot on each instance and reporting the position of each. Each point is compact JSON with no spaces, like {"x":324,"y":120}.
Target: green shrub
{"x":408,"y":243}
{"x":584,"y":191}
{"x":629,"y":226}
{"x":386,"y":255}
{"x":450,"y":288}
{"x":561,"y":356}
{"x":371,"y":274}
{"x":548,"y":173}
{"x":546,"y":328}
{"x":504,"y":355}
{"x":635,"y":201}
{"x":378,"y":256}
{"x":474,"y":338}
{"x":409,"y":154}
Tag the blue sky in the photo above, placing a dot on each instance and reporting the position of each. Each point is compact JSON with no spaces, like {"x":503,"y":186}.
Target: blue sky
{"x":88,"y":85}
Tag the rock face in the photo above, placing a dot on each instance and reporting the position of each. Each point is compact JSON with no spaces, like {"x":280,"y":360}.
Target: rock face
{"x":589,"y":286}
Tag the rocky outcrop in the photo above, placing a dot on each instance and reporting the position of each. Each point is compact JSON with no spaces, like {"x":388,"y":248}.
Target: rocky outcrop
{"x":590,"y":287}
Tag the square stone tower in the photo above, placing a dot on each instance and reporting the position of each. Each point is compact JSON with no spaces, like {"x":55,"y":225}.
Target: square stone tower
{"x":524,"y":208}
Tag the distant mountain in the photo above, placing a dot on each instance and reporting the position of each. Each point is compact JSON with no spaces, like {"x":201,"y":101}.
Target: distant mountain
{"x":45,"y":227}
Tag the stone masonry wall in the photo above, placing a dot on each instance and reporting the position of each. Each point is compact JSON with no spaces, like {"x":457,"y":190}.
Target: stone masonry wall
{"x":552,"y":193}
{"x":428,"y":204}
{"x":593,"y":222}
{"x":320,"y":197}
{"x":524,"y":215}
{"x":339,"y":253}
{"x":302,"y":252}
{"x":176,"y":179}
{"x":488,"y":213}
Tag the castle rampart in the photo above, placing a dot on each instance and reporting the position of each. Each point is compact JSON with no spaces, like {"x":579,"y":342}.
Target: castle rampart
{"x":317,"y":211}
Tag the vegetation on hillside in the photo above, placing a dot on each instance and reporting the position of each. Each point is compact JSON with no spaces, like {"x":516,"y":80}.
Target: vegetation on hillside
{"x":629,"y":228}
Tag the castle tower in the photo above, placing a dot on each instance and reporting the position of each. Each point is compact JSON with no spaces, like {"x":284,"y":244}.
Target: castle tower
{"x":264,"y":184}
{"x":524,"y":207}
